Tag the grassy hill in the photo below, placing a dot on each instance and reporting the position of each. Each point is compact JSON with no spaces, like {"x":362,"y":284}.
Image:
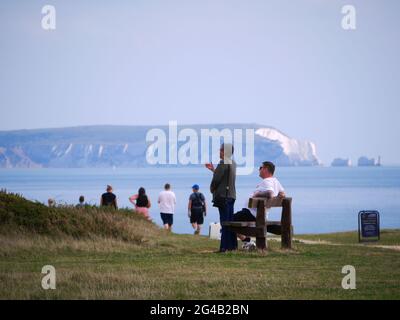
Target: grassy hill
{"x":100,"y":254}
{"x":21,"y":216}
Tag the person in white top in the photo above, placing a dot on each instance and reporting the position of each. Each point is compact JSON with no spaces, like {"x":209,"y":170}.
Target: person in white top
{"x":167,"y":202}
{"x":269,"y":187}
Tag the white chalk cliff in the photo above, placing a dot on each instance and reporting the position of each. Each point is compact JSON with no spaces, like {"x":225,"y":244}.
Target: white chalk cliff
{"x":125,"y":146}
{"x":299,"y":152}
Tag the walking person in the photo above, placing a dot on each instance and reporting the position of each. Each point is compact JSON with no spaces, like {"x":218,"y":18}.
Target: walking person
{"x":167,"y":202}
{"x":109,"y":199}
{"x":141,"y":202}
{"x":224,"y":193}
{"x":197,"y":209}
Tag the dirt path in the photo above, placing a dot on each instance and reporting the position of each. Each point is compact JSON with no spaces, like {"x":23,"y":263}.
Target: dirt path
{"x":390,"y":247}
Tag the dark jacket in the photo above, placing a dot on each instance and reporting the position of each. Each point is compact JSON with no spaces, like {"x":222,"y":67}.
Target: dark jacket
{"x":109,"y":199}
{"x":220,"y":180}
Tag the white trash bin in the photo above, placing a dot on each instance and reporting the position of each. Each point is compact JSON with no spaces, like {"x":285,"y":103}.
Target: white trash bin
{"x":215,"y":231}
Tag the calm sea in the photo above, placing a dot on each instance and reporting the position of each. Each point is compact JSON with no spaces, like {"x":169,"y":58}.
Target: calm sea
{"x":324,"y":199}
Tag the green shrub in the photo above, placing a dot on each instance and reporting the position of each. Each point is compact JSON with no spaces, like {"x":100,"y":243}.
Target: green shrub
{"x":18,"y":214}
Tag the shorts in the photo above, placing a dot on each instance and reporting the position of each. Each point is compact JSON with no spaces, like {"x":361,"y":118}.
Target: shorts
{"x":167,"y":218}
{"x":196,"y":216}
{"x":244,"y":215}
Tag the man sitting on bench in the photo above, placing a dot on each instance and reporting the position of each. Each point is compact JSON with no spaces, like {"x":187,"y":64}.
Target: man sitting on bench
{"x":268,"y":188}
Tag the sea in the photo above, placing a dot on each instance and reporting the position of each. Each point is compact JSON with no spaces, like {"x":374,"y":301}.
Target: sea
{"x":325,"y":199}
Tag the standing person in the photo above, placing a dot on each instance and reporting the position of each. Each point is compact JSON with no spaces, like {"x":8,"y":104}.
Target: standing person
{"x":167,"y":202}
{"x":81,"y":203}
{"x":141,"y":202}
{"x":109,"y":199}
{"x":224,"y":193}
{"x":197,"y":209}
{"x":51,"y":202}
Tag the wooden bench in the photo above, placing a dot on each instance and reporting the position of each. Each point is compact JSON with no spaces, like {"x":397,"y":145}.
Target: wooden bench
{"x":260,"y":227}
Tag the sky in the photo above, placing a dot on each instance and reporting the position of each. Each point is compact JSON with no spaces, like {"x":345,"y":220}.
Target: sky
{"x":287,"y":64}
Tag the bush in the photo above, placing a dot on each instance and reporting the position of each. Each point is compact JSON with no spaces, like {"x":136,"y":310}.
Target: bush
{"x":21,"y":215}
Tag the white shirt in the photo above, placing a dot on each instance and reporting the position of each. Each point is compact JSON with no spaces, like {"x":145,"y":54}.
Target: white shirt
{"x":167,"y":201}
{"x":267,"y":184}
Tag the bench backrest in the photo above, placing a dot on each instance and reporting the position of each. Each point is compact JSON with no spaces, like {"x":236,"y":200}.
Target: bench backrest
{"x":263,"y":203}
{"x":268,"y":203}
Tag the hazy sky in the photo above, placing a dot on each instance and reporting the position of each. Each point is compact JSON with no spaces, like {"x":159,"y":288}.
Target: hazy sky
{"x":288,"y":64}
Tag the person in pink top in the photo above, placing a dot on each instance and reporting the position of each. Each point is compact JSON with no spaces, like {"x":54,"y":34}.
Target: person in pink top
{"x":141,"y":202}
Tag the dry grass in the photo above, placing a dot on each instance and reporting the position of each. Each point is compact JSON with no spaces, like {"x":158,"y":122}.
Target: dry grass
{"x":19,"y":216}
{"x":133,"y":259}
{"x":185,"y":267}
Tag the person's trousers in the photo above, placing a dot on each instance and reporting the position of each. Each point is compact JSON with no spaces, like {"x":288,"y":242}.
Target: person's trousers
{"x":228,"y":238}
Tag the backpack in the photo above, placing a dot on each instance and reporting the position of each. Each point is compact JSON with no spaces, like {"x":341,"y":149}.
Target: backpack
{"x":198,"y":202}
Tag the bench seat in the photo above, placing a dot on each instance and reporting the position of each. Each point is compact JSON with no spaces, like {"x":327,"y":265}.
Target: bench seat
{"x":250,"y":223}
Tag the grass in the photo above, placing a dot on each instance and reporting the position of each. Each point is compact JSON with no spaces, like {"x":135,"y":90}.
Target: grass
{"x":387,"y":237}
{"x":23,"y":216}
{"x":141,"y":261}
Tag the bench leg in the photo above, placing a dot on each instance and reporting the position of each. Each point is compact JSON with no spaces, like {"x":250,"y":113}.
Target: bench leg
{"x":286,"y":238}
{"x":261,"y":243}
{"x":286,"y":220}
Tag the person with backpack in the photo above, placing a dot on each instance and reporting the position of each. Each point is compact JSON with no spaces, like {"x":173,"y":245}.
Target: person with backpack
{"x":197,"y":209}
{"x":142,"y":204}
